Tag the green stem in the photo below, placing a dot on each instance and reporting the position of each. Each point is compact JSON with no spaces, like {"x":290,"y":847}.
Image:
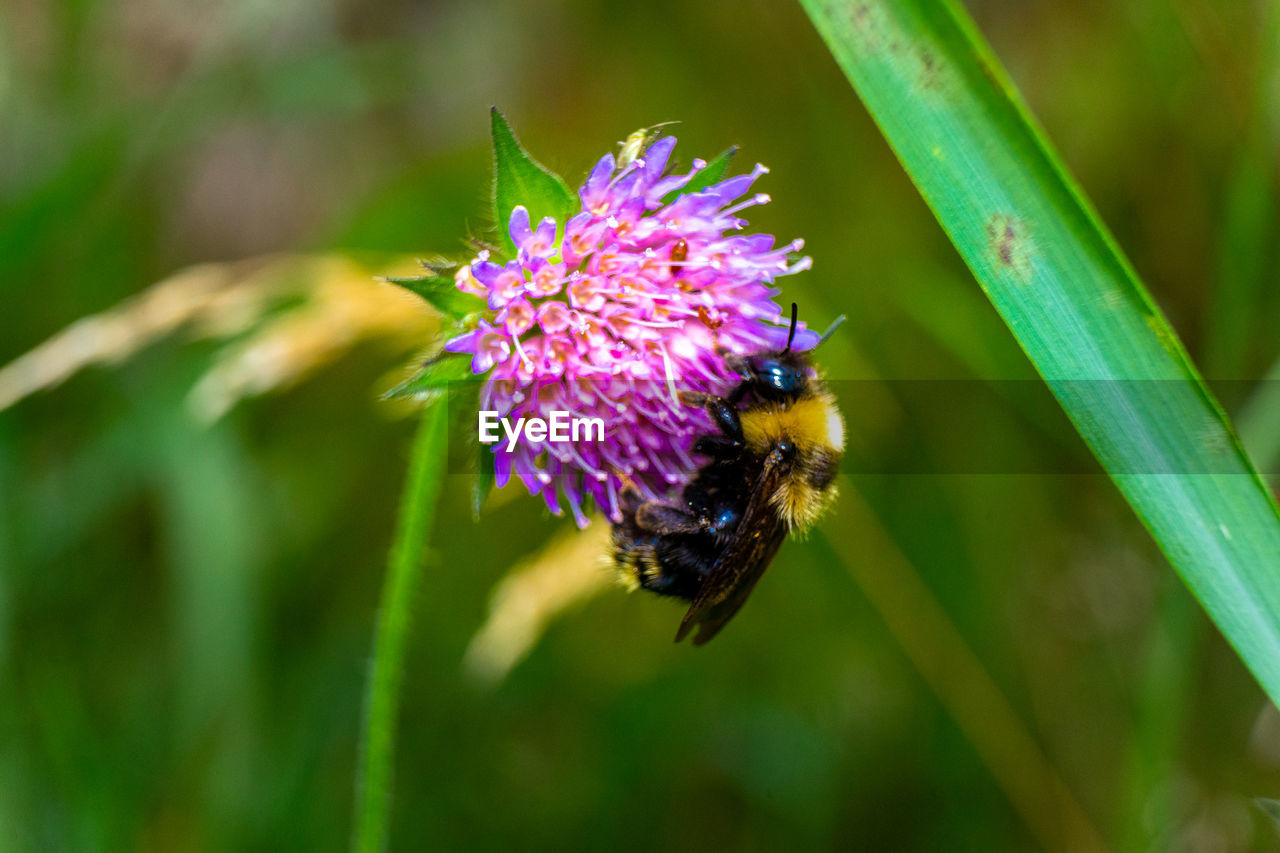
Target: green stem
{"x":382,"y":696}
{"x":948,"y":664}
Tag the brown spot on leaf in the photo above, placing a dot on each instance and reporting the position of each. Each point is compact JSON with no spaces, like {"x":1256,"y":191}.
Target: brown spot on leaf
{"x":868,"y":25}
{"x":930,"y":70}
{"x":861,"y":17}
{"x":1009,"y":243}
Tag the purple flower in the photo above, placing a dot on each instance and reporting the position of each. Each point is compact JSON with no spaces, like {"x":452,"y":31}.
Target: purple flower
{"x":638,"y":300}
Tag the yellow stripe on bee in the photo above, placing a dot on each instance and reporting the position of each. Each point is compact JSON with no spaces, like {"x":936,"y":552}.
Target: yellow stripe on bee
{"x":809,"y":421}
{"x":635,"y":565}
{"x":814,"y":426}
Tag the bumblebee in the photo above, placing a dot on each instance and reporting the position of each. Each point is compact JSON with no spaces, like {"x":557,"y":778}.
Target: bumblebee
{"x":772,"y":464}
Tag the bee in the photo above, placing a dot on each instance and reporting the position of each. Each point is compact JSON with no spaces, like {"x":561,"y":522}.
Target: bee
{"x":772,"y":464}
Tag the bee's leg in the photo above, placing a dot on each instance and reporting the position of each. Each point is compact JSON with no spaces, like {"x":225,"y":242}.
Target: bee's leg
{"x":665,"y":520}
{"x":694,"y":398}
{"x":737,"y":394}
{"x":736,"y":363}
{"x":721,"y":411}
{"x":630,"y":498}
{"x":718,"y":446}
{"x":726,"y":417}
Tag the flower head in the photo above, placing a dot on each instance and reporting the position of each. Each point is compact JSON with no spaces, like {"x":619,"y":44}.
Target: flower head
{"x":645,"y":291}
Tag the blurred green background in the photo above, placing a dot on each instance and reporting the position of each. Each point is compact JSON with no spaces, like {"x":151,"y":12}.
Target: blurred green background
{"x":188,"y":589}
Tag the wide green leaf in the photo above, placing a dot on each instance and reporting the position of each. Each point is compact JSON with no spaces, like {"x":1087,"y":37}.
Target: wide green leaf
{"x":518,"y":179}
{"x":1072,"y":300}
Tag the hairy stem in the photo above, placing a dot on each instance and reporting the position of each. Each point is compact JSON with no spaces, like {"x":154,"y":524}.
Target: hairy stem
{"x":382,"y":696}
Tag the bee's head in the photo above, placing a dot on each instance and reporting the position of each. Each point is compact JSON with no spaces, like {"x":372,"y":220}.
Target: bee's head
{"x":779,"y":375}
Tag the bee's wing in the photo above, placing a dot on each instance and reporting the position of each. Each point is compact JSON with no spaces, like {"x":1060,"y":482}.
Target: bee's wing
{"x":758,"y":536}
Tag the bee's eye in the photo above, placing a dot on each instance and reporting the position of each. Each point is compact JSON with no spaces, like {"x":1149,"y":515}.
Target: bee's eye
{"x":787,"y":449}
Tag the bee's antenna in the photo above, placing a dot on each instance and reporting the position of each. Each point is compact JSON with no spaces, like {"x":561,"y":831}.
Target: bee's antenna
{"x":835,"y":324}
{"x":791,"y":336}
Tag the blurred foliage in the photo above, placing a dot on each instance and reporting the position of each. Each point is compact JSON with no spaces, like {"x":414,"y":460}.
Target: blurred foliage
{"x":186,"y":604}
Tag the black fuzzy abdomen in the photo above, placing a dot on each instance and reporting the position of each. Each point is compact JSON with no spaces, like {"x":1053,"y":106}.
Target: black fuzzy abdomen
{"x":672,"y":565}
{"x":675,"y":564}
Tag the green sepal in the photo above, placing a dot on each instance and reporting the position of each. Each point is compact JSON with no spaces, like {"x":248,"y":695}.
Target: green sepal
{"x":439,"y":374}
{"x":712,"y":173}
{"x":518,"y":179}
{"x":464,"y":404}
{"x":440,"y":265}
{"x":440,"y":292}
{"x":482,"y":482}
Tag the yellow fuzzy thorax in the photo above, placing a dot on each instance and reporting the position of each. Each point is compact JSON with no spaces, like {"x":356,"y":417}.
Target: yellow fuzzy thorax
{"x":814,"y":426}
{"x":807,"y":422}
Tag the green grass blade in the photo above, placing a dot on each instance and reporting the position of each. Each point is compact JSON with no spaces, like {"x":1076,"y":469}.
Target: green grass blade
{"x":1062,"y":285}
{"x":382,"y":698}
